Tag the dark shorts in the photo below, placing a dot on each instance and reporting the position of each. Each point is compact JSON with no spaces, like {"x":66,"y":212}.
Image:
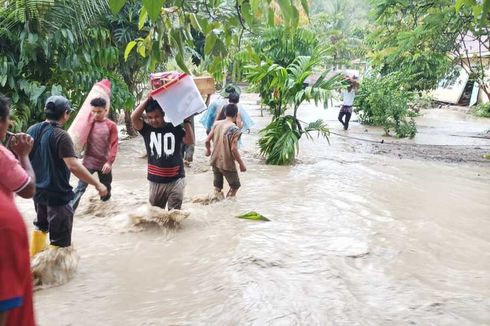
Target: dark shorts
{"x":346,"y":109}
{"x":231,"y":177}
{"x":57,"y":220}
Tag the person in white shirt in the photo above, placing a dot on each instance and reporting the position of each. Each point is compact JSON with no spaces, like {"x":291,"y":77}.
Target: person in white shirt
{"x":348,"y":96}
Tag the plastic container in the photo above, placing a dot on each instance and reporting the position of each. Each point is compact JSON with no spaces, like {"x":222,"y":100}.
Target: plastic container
{"x":179,"y":99}
{"x":158,"y":79}
{"x":82,"y":124}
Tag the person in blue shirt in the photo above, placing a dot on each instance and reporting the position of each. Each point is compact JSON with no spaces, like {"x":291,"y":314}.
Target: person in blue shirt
{"x":215,"y":112}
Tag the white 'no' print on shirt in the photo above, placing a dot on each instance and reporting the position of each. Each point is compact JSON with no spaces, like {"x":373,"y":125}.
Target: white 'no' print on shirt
{"x":156,"y":144}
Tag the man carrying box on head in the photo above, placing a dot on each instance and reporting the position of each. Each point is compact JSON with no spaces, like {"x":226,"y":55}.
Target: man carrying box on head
{"x":163,"y":143}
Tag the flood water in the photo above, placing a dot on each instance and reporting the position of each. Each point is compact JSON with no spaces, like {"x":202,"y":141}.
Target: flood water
{"x":354,"y":239}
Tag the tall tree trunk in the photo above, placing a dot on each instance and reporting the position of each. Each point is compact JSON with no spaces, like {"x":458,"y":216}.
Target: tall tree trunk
{"x":129,"y":126}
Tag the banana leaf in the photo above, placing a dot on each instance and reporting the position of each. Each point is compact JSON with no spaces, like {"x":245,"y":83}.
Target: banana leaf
{"x":253,"y":216}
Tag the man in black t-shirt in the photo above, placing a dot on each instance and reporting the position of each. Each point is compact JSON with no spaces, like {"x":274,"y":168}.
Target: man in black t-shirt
{"x":165,"y":164}
{"x":53,"y":158}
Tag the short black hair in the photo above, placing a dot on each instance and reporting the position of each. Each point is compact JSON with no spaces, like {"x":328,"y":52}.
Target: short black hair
{"x":153,"y":106}
{"x":52,"y":113}
{"x":231,"y":110}
{"x":234,"y":97}
{"x":4,"y":107}
{"x":98,"y":102}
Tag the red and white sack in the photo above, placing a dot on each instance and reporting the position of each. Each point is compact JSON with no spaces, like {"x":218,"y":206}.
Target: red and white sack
{"x":82,"y":124}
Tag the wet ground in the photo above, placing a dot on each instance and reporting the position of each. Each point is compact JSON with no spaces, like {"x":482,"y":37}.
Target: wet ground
{"x":358,"y":236}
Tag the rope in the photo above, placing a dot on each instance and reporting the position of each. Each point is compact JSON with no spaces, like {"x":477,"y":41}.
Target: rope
{"x":382,"y":141}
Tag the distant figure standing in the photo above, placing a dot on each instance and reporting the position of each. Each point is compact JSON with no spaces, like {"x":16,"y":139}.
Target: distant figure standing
{"x":348,"y":100}
{"x":224,"y":136}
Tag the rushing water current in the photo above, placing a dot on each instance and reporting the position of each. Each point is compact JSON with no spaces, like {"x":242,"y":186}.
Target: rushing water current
{"x":354,"y":239}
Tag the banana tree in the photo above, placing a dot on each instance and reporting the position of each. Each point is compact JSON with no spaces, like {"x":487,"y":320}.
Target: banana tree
{"x":279,"y":141}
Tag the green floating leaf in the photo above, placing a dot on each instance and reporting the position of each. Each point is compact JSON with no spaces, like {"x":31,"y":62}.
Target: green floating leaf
{"x":253,"y":216}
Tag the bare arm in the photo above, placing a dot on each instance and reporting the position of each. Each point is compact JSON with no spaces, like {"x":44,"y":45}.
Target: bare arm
{"x":30,"y":189}
{"x":236,"y":154}
{"x":136,"y":116}
{"x":83,"y":174}
{"x":239,"y":121}
{"x":208,"y":142}
{"x":189,"y":135}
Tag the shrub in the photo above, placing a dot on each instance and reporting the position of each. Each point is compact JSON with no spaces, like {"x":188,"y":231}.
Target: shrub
{"x":420,"y":102}
{"x":482,"y":110}
{"x":383,"y":101}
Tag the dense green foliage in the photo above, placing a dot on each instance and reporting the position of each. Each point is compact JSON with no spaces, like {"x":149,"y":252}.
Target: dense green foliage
{"x":383,"y":101}
{"x":64,"y":46}
{"x":414,"y":45}
{"x":415,"y":42}
{"x":218,"y":25}
{"x":341,"y":26}
{"x":49,"y":48}
{"x":423,"y":39}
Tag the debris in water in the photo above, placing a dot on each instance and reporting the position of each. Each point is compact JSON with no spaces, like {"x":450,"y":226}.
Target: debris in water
{"x":361,"y":255}
{"x":97,"y":208}
{"x":209,"y":199}
{"x":253,"y":216}
{"x":54,"y":266}
{"x":152,"y":215}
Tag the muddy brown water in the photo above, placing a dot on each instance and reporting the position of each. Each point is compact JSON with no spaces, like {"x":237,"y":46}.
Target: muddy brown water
{"x":354,"y":239}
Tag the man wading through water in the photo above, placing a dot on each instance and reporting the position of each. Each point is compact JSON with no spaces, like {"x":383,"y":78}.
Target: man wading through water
{"x":53,"y":158}
{"x":348,"y":97}
{"x":165,"y":163}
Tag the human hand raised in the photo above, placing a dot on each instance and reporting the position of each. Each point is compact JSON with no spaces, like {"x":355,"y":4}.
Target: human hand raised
{"x":21,"y":144}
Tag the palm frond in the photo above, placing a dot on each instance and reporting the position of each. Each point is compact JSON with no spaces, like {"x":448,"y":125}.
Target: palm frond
{"x":320,"y":127}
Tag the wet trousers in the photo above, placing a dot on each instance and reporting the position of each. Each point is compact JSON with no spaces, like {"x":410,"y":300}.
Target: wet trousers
{"x":105,"y":179}
{"x":57,"y":220}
